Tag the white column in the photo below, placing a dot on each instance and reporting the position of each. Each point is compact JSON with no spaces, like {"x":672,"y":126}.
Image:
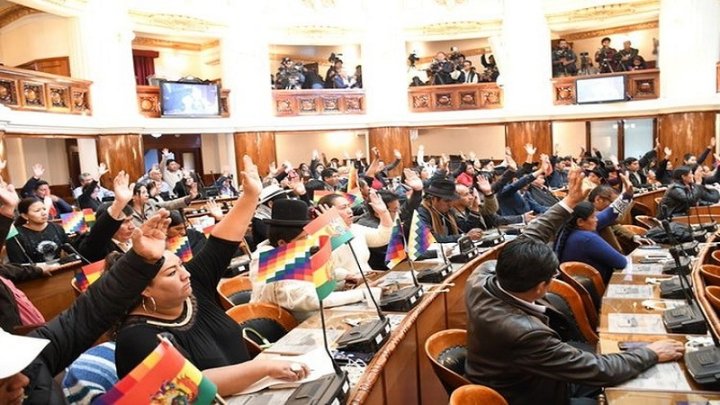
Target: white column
{"x":87,"y":151}
{"x":244,"y":54}
{"x":101,"y":51}
{"x":689,"y":49}
{"x":384,"y":62}
{"x":522,"y":53}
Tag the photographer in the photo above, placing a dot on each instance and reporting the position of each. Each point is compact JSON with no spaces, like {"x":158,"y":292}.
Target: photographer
{"x":626,"y":55}
{"x":337,"y":64}
{"x":606,"y":57}
{"x":313,"y":80}
{"x":468,"y":73}
{"x":290,"y":75}
{"x":491,"y":72}
{"x":441,"y":69}
{"x":586,"y":65}
{"x":563,"y":60}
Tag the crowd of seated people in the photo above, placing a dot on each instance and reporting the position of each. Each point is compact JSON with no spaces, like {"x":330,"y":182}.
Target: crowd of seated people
{"x":453,"y":69}
{"x":459,"y":196}
{"x":607,"y":58}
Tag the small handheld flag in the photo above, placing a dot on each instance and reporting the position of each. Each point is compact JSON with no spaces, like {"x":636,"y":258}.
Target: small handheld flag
{"x":164,"y":377}
{"x":74,"y":222}
{"x":396,"y":248}
{"x":330,"y":224}
{"x":89,"y":274}
{"x":12,"y":232}
{"x":89,"y":215}
{"x":420,"y":239}
{"x":180,"y":245}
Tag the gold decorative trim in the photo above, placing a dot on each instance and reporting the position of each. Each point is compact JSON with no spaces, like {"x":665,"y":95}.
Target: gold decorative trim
{"x":610,"y":31}
{"x":173,"y":21}
{"x":317,"y":30}
{"x":603,"y":12}
{"x":456,"y":28}
{"x":467,"y":52}
{"x":164,"y":43}
{"x":14,"y":13}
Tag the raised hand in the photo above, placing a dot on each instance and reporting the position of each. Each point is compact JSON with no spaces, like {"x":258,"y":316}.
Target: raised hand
{"x":315,"y":154}
{"x":214,"y":209}
{"x":250,"y":178}
{"x":272,"y":169}
{"x":472,"y":156}
{"x":375,"y":151}
{"x":377,"y":204}
{"x":346,"y":155}
{"x":530,"y":149}
{"x":668,"y":152}
{"x":297,"y":186}
{"x":102,"y":169}
{"x":397,"y":154}
{"x":575,"y":194}
{"x":627,"y":184}
{"x":122,"y":188}
{"x":698,"y":175}
{"x":413,"y":180}
{"x":614,"y":160}
{"x":148,"y":241}
{"x":165,"y":151}
{"x":3,"y":164}
{"x":484,"y":185}
{"x":462,"y":156}
{"x":193,"y":191}
{"x":511,"y":162}
{"x":9,"y":200}
{"x":38,"y":170}
{"x":358,"y":154}
{"x":712,"y":142}
{"x":508,"y":151}
{"x":557,"y":149}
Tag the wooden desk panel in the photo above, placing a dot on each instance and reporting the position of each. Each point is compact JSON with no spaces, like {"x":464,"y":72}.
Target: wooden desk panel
{"x":52,"y":295}
{"x":401,"y":378}
{"x":432,"y":320}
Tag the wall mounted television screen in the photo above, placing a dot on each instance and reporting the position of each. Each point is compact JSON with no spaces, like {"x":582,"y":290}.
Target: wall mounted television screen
{"x":600,"y":89}
{"x":189,"y":100}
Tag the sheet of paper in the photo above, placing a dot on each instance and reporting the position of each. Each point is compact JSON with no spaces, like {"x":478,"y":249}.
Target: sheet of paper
{"x":302,"y":340}
{"x":317,"y":360}
{"x":635,"y":323}
{"x":629,"y":291}
{"x":663,"y":376}
{"x":261,"y":398}
{"x":644,"y":269}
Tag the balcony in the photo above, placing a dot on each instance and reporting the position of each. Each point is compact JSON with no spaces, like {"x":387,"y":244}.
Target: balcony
{"x":318,"y":102}
{"x":640,"y":85}
{"x":148,"y":98}
{"x":29,"y":90}
{"x":455,"y":97}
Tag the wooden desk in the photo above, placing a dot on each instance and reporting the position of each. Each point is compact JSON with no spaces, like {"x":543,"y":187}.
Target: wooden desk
{"x":52,"y":295}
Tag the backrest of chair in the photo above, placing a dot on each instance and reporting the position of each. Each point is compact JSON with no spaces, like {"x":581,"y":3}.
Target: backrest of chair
{"x":474,"y":394}
{"x":270,"y":321}
{"x":715,"y":256}
{"x":234,"y":291}
{"x":647,"y":221}
{"x":637,"y":230}
{"x":589,"y":288}
{"x":446,"y":351}
{"x":580,"y":268}
{"x":570,"y":298}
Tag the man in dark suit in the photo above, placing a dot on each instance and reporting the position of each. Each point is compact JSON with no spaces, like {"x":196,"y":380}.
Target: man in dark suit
{"x":468,"y":73}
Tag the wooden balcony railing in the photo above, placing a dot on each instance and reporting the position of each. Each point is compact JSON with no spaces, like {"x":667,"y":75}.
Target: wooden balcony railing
{"x":148,"y":98}
{"x":29,"y":90}
{"x":454,"y":97}
{"x":717,"y":77}
{"x":318,"y":102}
{"x":640,"y":85}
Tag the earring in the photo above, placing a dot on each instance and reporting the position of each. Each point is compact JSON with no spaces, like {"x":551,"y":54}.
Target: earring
{"x":154,"y":305}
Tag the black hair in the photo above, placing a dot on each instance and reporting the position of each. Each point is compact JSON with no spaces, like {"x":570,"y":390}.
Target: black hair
{"x":581,"y":211}
{"x":40,"y":183}
{"x":601,"y":191}
{"x":681,"y":171}
{"x":284,"y":233}
{"x":138,"y":186}
{"x":329,"y":199}
{"x":630,"y":161}
{"x":687,"y":156}
{"x":149,"y":186}
{"x":606,"y":39}
{"x":524,"y":263}
{"x":23,"y":208}
{"x":328,"y":172}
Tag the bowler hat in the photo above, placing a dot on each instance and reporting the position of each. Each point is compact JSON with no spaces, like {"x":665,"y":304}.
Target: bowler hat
{"x":442,"y":188}
{"x":288,"y":213}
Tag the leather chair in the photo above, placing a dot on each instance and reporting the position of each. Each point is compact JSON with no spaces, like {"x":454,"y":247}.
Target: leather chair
{"x":476,"y":395}
{"x":447,"y":350}
{"x":647,"y":221}
{"x":637,"y":230}
{"x":262,"y":324}
{"x":567,"y":301}
{"x":589,"y":285}
{"x":76,"y":289}
{"x":234,"y":291}
{"x":715,"y":257}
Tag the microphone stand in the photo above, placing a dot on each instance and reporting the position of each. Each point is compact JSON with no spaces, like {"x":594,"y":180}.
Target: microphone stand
{"x":404,"y":299}
{"x":684,"y":319}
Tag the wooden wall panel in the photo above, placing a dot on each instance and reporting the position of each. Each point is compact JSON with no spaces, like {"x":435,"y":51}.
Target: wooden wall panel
{"x":260,"y":146}
{"x":538,"y":133}
{"x":688,"y":132}
{"x":3,"y":156}
{"x":121,"y":152}
{"x":387,"y":139}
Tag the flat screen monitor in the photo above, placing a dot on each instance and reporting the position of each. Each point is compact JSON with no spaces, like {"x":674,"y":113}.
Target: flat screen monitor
{"x":189,"y":100}
{"x":600,"y":90}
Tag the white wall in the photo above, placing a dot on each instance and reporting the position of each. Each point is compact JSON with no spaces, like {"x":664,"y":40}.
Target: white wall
{"x":38,"y":36}
{"x":487,"y":141}
{"x":638,"y":137}
{"x":568,"y":137}
{"x":297,"y":147}
{"x":603,"y":136}
{"x":23,"y":153}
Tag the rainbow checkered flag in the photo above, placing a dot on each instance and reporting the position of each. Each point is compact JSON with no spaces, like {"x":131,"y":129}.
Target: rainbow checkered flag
{"x":164,"y":377}
{"x":355,"y":197}
{"x":294,"y":261}
{"x":74,"y":222}
{"x":180,"y":245}
{"x":329,"y":224}
{"x":318,"y":194}
{"x":420,"y":239}
{"x":396,"y":248}
{"x":89,"y":274}
{"x":89,"y":216}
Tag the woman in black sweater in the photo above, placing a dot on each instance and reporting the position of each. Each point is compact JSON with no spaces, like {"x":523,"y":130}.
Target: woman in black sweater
{"x":186,"y":307}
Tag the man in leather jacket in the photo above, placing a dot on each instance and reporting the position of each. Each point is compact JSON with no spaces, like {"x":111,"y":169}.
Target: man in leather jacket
{"x":686,"y":191}
{"x":512,"y":349}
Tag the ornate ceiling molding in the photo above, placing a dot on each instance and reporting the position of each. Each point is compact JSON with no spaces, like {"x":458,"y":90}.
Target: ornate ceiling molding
{"x":604,"y":12}
{"x":455,"y":28}
{"x":13,"y":13}
{"x":610,"y":31}
{"x":175,"y":22}
{"x":183,"y":46}
{"x":316,"y":31}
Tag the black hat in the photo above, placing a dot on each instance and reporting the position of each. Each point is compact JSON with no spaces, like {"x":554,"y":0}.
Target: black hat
{"x":442,"y":188}
{"x":289,"y":213}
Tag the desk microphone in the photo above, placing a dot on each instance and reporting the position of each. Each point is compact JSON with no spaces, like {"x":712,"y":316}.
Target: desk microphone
{"x":687,"y":318}
{"x":70,"y":249}
{"x":22,"y":249}
{"x":713,"y":225}
{"x":404,"y":299}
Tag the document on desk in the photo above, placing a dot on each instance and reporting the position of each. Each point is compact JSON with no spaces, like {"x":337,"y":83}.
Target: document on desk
{"x":303,"y":340}
{"x":663,"y":376}
{"x":317,"y":360}
{"x":635,"y":323}
{"x":629,"y":291}
{"x":643,"y":269}
{"x":261,"y":398}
